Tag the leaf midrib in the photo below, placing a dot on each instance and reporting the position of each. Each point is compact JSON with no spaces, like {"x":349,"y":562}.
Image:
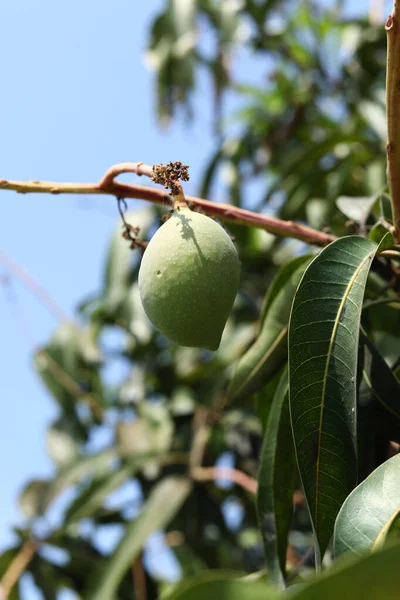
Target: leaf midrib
{"x":329,"y":354}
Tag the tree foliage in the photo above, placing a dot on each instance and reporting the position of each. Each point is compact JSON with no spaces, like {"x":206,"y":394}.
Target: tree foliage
{"x":295,"y":397}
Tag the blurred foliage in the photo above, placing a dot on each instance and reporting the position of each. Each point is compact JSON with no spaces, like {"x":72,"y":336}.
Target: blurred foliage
{"x":137,"y":415}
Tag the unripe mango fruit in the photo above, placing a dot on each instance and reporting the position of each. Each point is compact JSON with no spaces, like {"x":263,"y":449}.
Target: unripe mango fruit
{"x":188,"y":279}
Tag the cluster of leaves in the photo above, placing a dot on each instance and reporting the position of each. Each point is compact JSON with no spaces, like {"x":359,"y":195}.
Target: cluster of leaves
{"x":303,"y":392}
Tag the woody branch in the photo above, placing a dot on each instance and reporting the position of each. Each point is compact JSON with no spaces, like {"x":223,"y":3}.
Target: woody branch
{"x":108,"y":185}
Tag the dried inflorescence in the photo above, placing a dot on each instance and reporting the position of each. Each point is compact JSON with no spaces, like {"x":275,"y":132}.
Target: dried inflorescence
{"x":169,"y":175}
{"x":129,"y":232}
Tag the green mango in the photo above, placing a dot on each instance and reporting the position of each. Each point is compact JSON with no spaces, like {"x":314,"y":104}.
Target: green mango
{"x":188,"y":279}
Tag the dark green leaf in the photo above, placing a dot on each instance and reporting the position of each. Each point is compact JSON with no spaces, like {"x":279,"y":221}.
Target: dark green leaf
{"x":276,"y":483}
{"x":217,"y":585}
{"x":163,"y":503}
{"x":269,"y":351}
{"x":378,"y":408}
{"x":375,"y":577}
{"x":378,"y":232}
{"x":378,"y":379}
{"x":323,"y":347}
{"x":368,"y":513}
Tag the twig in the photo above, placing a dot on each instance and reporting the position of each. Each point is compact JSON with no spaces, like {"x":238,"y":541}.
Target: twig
{"x":41,"y":293}
{"x":17,"y":567}
{"x":200,"y":437}
{"x":393,"y":112}
{"x":34,"y":286}
{"x":127,"y":167}
{"x":139,"y":579}
{"x":226,"y":212}
{"x":212,"y":473}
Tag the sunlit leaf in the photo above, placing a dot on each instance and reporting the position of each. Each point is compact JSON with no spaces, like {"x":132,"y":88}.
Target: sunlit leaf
{"x":369,"y":511}
{"x":163,"y":503}
{"x":269,"y":350}
{"x":93,"y":496}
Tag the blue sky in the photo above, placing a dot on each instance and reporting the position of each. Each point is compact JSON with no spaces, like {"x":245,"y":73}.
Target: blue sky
{"x":76,"y":98}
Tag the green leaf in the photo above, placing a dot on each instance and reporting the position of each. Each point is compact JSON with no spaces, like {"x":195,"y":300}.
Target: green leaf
{"x":37,"y":495}
{"x":356,"y":209}
{"x":374,"y":577}
{"x":276,"y":483}
{"x":30,"y":499}
{"x":217,"y":585}
{"x":378,"y":408}
{"x":323,"y":349}
{"x":269,"y":351}
{"x":163,"y":503}
{"x":369,"y":511}
{"x":378,"y":232}
{"x":378,"y":379}
{"x":93,"y":496}
{"x":69,"y":367}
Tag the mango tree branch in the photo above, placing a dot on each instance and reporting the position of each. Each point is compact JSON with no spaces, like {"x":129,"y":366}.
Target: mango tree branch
{"x":393,"y":112}
{"x":226,"y":212}
{"x":17,"y":567}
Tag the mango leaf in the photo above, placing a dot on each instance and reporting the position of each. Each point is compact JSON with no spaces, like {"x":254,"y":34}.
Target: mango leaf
{"x":378,"y":377}
{"x":37,"y":495}
{"x":374,"y":577}
{"x":163,"y":503}
{"x":45,"y":576}
{"x":269,"y":351}
{"x":276,"y":483}
{"x":369,"y":511}
{"x":218,"y":585}
{"x":69,"y":367}
{"x":93,"y":496}
{"x":378,"y":408}
{"x":356,"y":208}
{"x":323,"y":349}
{"x":379,"y":231}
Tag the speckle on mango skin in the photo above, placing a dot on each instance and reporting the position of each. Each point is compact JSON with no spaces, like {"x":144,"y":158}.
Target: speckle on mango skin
{"x":188,"y":279}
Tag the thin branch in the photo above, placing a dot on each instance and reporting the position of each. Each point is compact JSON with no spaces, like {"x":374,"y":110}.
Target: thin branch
{"x":139,"y":579}
{"x":56,"y":369}
{"x":17,"y":567}
{"x":226,"y":212}
{"x":212,"y":473}
{"x":34,"y":286}
{"x":200,"y":437}
{"x":138,"y":168}
{"x":393,"y":112}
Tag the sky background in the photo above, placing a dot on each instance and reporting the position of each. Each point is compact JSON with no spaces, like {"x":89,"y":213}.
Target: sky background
{"x":76,"y":98}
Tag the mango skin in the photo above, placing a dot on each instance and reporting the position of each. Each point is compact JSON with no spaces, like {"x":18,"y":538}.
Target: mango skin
{"x":188,"y":279}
